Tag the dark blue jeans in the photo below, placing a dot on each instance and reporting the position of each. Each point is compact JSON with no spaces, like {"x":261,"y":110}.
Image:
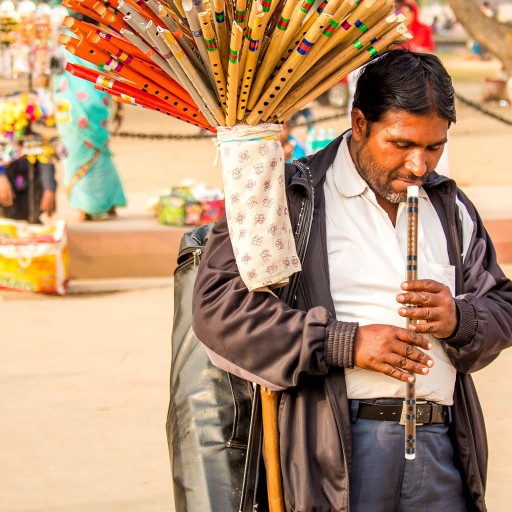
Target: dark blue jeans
{"x":382,"y":480}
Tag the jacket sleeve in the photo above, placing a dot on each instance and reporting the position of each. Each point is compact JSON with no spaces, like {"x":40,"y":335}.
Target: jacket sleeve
{"x":255,"y":335}
{"x":485,"y":307}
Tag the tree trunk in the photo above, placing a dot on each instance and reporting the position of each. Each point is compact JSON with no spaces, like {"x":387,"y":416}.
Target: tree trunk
{"x":495,"y":36}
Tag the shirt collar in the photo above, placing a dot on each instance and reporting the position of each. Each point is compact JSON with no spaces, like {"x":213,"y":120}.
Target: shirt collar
{"x":348,"y":181}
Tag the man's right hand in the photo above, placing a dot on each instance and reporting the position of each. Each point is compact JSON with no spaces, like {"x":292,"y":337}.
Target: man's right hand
{"x":391,"y":350}
{"x":6,"y":195}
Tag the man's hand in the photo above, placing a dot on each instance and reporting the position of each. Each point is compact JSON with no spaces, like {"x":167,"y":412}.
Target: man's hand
{"x":435,"y":308}
{"x":48,"y":202}
{"x":6,"y":195}
{"x":392,"y":351}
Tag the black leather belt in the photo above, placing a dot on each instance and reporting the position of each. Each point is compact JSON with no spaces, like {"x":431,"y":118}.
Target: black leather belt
{"x":426,"y":412}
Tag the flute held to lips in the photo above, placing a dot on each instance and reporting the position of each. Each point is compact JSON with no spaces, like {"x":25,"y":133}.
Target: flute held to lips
{"x":412,"y":274}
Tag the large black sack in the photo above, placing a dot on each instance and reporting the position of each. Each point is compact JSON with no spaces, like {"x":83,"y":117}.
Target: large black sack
{"x":209,"y":409}
{"x":214,"y":429}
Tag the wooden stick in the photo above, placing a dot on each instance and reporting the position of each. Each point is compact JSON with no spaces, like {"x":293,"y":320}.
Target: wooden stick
{"x":269,"y":407}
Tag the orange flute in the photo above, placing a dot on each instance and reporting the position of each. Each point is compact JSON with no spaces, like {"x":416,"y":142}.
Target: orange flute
{"x":118,"y":43}
{"x":86,"y":51}
{"x":141,"y":7}
{"x":115,"y":87}
{"x":96,"y":16}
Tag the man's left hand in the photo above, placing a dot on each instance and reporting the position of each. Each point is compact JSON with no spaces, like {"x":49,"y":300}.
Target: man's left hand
{"x":435,"y":310}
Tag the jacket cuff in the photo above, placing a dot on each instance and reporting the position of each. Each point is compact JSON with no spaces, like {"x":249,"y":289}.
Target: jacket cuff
{"x":339,"y":343}
{"x":466,"y":328}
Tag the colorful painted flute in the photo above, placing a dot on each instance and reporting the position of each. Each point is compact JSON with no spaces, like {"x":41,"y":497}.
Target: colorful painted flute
{"x":412,"y":275}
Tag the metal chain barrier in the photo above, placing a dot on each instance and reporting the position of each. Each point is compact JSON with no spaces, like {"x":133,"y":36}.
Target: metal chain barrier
{"x":208,"y":135}
{"x":483,"y":110}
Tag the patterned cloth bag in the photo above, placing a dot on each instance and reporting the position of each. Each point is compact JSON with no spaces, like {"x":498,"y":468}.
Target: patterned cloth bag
{"x":256,"y":207}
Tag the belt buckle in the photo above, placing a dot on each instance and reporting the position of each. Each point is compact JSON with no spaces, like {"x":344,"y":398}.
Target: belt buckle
{"x":402,"y":415}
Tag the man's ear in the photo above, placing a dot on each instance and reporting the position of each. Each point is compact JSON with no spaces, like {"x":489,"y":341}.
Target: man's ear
{"x":359,"y":124}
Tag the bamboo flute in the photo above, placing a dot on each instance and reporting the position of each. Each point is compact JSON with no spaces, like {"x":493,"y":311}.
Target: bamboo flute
{"x":164,"y":48}
{"x":75,"y":6}
{"x":178,"y":4}
{"x":250,"y":65}
{"x":235,"y":45}
{"x":197,"y":33}
{"x":303,"y":94}
{"x":337,"y":58}
{"x":271,"y":57}
{"x":341,"y":29}
{"x":214,"y":56}
{"x":190,"y":50}
{"x":195,"y":78}
{"x":328,"y":7}
{"x":305,"y":63}
{"x":109,"y":16}
{"x":219,"y":20}
{"x":240,"y":15}
{"x":256,"y":8}
{"x":153,"y":56}
{"x":287,"y":69}
{"x":412,"y":275}
{"x":356,"y":22}
{"x":298,"y":17}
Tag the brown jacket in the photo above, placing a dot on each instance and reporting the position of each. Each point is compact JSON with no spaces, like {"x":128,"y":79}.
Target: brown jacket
{"x":303,"y":350}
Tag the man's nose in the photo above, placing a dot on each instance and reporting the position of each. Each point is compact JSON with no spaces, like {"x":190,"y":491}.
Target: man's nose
{"x":416,"y":162}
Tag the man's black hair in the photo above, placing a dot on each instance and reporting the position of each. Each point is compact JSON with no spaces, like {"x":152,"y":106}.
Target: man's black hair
{"x":408,"y":81}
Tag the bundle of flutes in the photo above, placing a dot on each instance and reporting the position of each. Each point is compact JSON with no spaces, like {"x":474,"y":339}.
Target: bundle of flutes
{"x":225,"y":62}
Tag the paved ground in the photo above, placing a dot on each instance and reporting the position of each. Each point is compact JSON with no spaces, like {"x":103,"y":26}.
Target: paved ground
{"x":83,"y":399}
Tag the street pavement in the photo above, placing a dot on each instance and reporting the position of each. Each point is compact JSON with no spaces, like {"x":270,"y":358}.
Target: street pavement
{"x":84,"y":393}
{"x":84,"y":388}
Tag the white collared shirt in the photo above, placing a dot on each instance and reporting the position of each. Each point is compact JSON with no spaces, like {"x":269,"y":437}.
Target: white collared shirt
{"x":367,"y":264}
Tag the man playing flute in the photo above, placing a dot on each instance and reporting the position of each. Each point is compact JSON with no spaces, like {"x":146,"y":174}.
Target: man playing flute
{"x":340,"y":357}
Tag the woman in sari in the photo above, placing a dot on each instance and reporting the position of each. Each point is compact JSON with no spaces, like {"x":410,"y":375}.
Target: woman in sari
{"x":91,"y":178}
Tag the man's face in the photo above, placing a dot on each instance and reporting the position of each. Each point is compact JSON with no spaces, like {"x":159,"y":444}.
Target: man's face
{"x":401,"y":149}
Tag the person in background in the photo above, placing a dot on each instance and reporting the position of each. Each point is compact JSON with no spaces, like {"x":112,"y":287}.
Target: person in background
{"x":23,"y":199}
{"x":91,"y":178}
{"x":423,"y":39}
{"x":293,"y":147}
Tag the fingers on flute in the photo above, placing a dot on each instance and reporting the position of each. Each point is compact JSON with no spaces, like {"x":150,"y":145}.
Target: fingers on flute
{"x":427,"y":285}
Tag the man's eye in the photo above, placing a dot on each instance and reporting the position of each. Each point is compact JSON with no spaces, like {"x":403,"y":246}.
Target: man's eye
{"x":434,"y":148}
{"x":402,"y":145}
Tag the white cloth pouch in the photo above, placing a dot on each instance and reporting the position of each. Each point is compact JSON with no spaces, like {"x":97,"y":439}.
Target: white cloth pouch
{"x":256,"y":207}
